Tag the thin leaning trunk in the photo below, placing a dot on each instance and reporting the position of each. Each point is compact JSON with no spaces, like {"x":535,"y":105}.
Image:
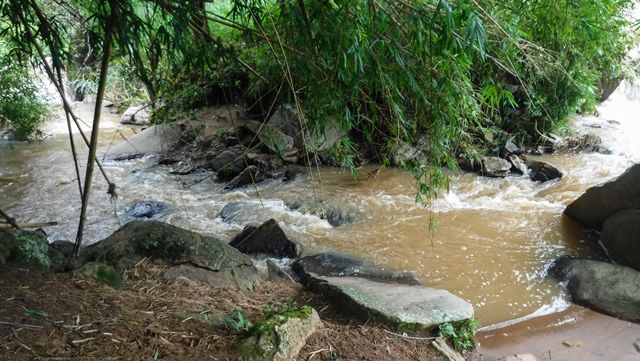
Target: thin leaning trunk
{"x":95,"y":128}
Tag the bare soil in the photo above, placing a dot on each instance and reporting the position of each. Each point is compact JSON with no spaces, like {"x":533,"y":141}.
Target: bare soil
{"x":53,"y":316}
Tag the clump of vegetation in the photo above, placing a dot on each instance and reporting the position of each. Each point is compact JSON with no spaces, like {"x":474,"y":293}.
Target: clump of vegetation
{"x":20,"y":106}
{"x":461,"y":333}
{"x":452,"y":77}
{"x":262,"y":340}
{"x":102,"y":273}
{"x":24,"y":247}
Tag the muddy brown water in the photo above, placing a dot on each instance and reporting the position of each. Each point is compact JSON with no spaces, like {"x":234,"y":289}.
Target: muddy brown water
{"x":496,"y":238}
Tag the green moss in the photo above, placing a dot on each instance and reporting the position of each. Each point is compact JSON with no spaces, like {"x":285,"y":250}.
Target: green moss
{"x":102,"y":273}
{"x":262,"y":340}
{"x":24,"y":247}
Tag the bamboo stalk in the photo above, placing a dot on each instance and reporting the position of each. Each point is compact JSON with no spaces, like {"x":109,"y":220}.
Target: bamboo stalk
{"x":95,"y":129}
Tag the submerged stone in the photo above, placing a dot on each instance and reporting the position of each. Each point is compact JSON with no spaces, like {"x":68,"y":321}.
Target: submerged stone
{"x":542,"y":172}
{"x":146,"y":209}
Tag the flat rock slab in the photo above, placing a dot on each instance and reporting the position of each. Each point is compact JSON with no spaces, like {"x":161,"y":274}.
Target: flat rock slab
{"x":397,"y":305}
{"x":154,"y":140}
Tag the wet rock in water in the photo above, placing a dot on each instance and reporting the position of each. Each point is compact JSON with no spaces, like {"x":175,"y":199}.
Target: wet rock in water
{"x":175,"y":246}
{"x":517,"y":164}
{"x":232,"y":210}
{"x":280,"y":338}
{"x":156,"y":139}
{"x":8,"y":135}
{"x":495,"y":167}
{"x":277,"y":273}
{"x":399,"y":305}
{"x":338,"y":265}
{"x":229,"y":163}
{"x":542,"y":172}
{"x":621,"y":237}
{"x":606,"y":287}
{"x":599,"y":202}
{"x":136,"y":115}
{"x":250,"y":175}
{"x":335,"y":211}
{"x":146,"y":209}
{"x":469,"y":165}
{"x":267,"y":239}
{"x":292,"y":171}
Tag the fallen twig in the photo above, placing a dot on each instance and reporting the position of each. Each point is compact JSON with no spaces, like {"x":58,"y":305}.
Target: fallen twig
{"x":20,"y":325}
{"x":410,"y":337}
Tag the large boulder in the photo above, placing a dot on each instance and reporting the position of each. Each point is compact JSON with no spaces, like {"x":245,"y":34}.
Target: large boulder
{"x":286,"y":119}
{"x":267,"y":135}
{"x":399,"y":305}
{"x":267,"y":239}
{"x":606,"y":287}
{"x":602,"y":201}
{"x":156,"y":139}
{"x":175,"y":246}
{"x":542,"y":172}
{"x":495,"y":167}
{"x":250,"y":175}
{"x":230,"y":162}
{"x":621,"y":237}
{"x":136,"y":115}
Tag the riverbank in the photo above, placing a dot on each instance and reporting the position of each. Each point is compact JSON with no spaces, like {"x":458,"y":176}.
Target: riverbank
{"x":59,"y":316}
{"x":575,"y":334}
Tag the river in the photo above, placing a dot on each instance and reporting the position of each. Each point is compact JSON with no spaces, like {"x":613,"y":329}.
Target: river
{"x":496,"y":238}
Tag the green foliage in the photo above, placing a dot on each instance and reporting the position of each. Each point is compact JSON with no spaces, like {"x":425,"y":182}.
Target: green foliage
{"x":461,"y":333}
{"x":457,"y":77}
{"x":105,"y":274}
{"x":237,"y":321}
{"x":20,"y":106}
{"x":33,"y":247}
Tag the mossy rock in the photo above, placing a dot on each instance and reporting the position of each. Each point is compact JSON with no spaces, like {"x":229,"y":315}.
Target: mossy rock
{"x":172,"y":245}
{"x":102,"y":273}
{"x":24,"y":247}
{"x":280,"y":336}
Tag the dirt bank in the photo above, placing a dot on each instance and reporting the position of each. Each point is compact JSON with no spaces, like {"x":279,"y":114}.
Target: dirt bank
{"x":58,"y":316}
{"x":575,"y":334}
